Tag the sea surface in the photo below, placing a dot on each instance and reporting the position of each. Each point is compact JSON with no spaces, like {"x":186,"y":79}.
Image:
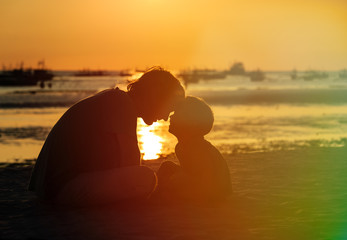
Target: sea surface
{"x":284,"y":140}
{"x":275,"y":114}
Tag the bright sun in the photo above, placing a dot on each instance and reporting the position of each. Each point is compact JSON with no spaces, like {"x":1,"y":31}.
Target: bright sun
{"x":150,"y":144}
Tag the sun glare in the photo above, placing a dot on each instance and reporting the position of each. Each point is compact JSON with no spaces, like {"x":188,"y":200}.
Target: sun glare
{"x":149,"y":142}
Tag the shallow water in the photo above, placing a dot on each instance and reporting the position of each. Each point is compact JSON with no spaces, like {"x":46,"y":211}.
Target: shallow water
{"x":284,"y":141}
{"x":276,"y":114}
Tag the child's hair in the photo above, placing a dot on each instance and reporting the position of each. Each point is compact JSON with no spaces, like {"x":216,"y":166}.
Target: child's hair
{"x":159,"y":82}
{"x":197,"y":115}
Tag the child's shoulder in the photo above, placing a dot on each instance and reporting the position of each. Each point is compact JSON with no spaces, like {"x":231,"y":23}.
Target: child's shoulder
{"x":198,"y":147}
{"x":193,"y":143}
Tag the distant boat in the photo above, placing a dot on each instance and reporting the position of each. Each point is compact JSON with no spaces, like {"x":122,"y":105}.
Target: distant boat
{"x":257,"y":75}
{"x":208,"y":74}
{"x":124,"y":73}
{"x":25,"y":77}
{"x":201,"y":74}
{"x":91,"y":73}
{"x":237,"y":69}
{"x":294,"y":74}
{"x":343,"y":74}
{"x":312,"y":75}
{"x":189,"y":77}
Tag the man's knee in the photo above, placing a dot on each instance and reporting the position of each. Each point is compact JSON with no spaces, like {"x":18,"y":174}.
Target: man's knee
{"x":147,"y":179}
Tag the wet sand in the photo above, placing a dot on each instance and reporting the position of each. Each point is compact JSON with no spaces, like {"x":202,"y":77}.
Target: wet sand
{"x":299,"y":194}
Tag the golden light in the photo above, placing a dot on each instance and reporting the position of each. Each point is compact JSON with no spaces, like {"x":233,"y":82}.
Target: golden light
{"x":174,"y":34}
{"x":150,"y":143}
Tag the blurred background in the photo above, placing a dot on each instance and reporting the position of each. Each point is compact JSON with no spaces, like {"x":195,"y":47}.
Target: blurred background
{"x":106,"y":34}
{"x":274,"y":72}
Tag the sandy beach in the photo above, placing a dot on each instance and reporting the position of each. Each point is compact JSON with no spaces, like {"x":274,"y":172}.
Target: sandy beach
{"x":274,"y":74}
{"x":287,"y":159}
{"x":298,"y":194}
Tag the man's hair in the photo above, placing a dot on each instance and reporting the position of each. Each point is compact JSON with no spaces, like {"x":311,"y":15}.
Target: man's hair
{"x":198,"y":116}
{"x":158,"y":82}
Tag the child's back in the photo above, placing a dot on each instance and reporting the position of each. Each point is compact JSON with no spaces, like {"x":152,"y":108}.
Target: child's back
{"x":203,"y":173}
{"x":206,"y":167}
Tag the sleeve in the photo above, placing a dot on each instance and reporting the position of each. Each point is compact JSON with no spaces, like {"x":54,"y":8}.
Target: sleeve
{"x":120,"y":116}
{"x":121,"y":123}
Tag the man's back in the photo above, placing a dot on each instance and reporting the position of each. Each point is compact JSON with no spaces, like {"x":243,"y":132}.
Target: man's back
{"x":83,"y":140}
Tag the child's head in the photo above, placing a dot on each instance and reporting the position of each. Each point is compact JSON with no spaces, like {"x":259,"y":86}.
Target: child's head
{"x":192,"y":118}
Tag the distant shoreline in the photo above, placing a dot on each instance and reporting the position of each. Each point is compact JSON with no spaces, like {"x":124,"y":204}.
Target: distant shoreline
{"x":61,"y":98}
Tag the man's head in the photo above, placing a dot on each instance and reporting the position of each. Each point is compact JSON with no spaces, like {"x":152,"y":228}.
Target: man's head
{"x":192,"y":118}
{"x":156,"y":93}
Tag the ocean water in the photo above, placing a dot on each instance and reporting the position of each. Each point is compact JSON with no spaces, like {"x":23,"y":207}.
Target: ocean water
{"x":284,"y":194}
{"x":276,"y":114}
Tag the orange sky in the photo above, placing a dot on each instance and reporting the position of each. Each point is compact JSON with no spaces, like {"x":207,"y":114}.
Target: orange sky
{"x":115,"y":34}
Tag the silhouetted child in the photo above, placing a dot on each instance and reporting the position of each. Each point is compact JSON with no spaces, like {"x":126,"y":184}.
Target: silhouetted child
{"x":203,"y":174}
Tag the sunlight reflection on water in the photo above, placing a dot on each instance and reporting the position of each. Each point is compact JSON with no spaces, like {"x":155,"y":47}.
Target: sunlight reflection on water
{"x":150,"y":143}
{"x":237,"y":128}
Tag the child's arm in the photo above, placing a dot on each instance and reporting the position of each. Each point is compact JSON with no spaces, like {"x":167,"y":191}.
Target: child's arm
{"x":165,"y":172}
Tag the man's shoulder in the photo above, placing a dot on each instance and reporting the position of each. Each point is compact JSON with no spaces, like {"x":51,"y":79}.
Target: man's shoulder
{"x":121,"y":98}
{"x":111,"y":93}
{"x":115,"y":99}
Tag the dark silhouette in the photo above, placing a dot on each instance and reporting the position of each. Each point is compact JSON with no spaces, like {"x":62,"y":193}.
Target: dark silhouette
{"x":196,"y":75}
{"x":257,"y":75}
{"x":294,"y":74}
{"x":314,"y":75}
{"x":90,"y":73}
{"x":91,"y":155}
{"x":203,"y":174}
{"x":343,"y":74}
{"x":237,"y":69}
{"x":25,"y":77}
